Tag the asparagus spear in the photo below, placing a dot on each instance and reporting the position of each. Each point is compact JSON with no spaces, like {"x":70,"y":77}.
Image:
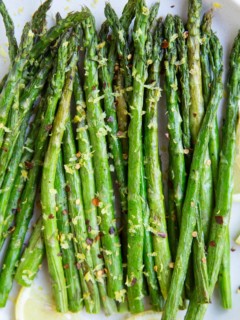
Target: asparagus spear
{"x":74,"y":291}
{"x":27,"y":100}
{"x":17,"y":167}
{"x":88,"y":194}
{"x":12,"y":46}
{"x":183,"y":74}
{"x":97,"y":130}
{"x":123,"y":85}
{"x":157,"y":219}
{"x":32,"y":257}
{"x":114,"y":142}
{"x":177,"y":162}
{"x":196,"y":116}
{"x":211,"y":58}
{"x":220,"y":221}
{"x":14,"y":76}
{"x":135,"y":215}
{"x":190,"y":204}
{"x":156,"y":298}
{"x":224,"y":277}
{"x":20,"y":165}
{"x":52,"y":34}
{"x":39,"y":19}
{"x":195,"y":77}
{"x":48,"y":191}
{"x":26,"y":202}
{"x":75,"y":204}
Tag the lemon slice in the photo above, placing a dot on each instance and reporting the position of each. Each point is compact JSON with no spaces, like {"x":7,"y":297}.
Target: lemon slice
{"x":236,"y":168}
{"x":147,"y":315}
{"x":35,"y":303}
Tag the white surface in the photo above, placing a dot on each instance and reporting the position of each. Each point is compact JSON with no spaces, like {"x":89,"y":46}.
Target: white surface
{"x":226,"y":23}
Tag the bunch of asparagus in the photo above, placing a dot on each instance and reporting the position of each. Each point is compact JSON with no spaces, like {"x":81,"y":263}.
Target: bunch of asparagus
{"x":79,"y":126}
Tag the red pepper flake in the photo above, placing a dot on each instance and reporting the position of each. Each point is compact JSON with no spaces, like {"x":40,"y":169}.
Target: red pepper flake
{"x":11,"y":229}
{"x":134,"y":281}
{"x":66,"y":266}
{"x":78,"y":265}
{"x":204,"y":260}
{"x":111,"y":230}
{"x":89,"y":241}
{"x":51,"y":216}
{"x":48,"y":127}
{"x":29,"y":165}
{"x":4,"y":149}
{"x":185,"y":34}
{"x":165,"y":44}
{"x":109,"y":37}
{"x":110,"y":119}
{"x":104,"y":85}
{"x":98,"y":237}
{"x":95,"y":202}
{"x":219,"y":219}
{"x":162,"y":235}
{"x":212,"y":243}
{"x":67,"y":188}
{"x":100,"y":256}
{"x":65,"y":212}
{"x":194,"y":114}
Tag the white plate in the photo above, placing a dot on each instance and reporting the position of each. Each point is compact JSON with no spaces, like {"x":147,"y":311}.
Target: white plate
{"x":226,"y":23}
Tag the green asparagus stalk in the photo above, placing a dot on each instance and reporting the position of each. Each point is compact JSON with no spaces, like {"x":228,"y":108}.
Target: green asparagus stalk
{"x":27,"y":100}
{"x":196,"y":116}
{"x":183,"y":74}
{"x":39,"y":19}
{"x":135,"y":208}
{"x":20,"y":164}
{"x":76,"y":211}
{"x":123,"y":85}
{"x":111,"y":119}
{"x":190,"y":204}
{"x":11,"y":174}
{"x":32,"y":257}
{"x":14,"y":76}
{"x":156,"y":298}
{"x":176,"y":154}
{"x":195,"y":77}
{"x":220,"y":221}
{"x":12,"y":47}
{"x":48,"y":200}
{"x":224,"y":277}
{"x":26,"y":202}
{"x":97,"y":130}
{"x":74,"y":291}
{"x":88,"y":194}
{"x":157,"y":221}
{"x":52,"y":34}
{"x":211,"y":58}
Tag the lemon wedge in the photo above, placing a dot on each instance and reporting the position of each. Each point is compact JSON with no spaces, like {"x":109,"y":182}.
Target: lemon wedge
{"x":147,"y":315}
{"x":236,"y":168}
{"x":35,"y":303}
